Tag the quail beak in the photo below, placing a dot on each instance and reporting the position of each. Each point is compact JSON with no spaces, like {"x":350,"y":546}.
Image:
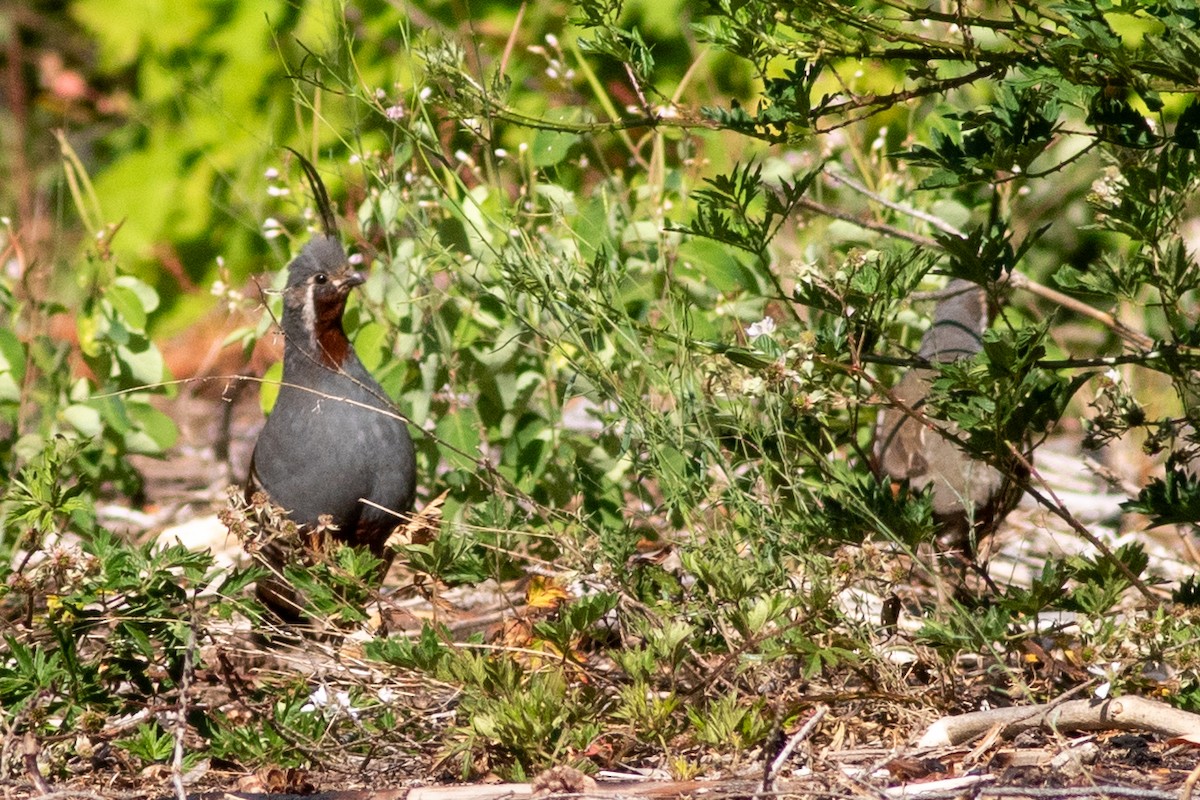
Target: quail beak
{"x":350,"y":280}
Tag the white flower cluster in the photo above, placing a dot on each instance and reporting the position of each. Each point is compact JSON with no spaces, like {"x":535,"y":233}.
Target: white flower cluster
{"x":1107,"y":190}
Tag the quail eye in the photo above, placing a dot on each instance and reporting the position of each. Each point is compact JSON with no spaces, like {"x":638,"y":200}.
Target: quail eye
{"x":321,"y":277}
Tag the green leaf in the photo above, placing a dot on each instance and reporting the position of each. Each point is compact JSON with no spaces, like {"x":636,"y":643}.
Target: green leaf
{"x":270,"y":386}
{"x":155,"y":432}
{"x":12,"y":366}
{"x":128,"y":307}
{"x":140,"y":363}
{"x":551,"y":147}
{"x":84,"y":419}
{"x":369,"y":344}
{"x":1169,"y":500}
{"x":459,"y":433}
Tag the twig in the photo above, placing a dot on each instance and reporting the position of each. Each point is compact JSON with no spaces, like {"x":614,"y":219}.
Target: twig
{"x":1136,"y":338}
{"x":1189,"y":785}
{"x":958,"y":786}
{"x":772,"y":770}
{"x":29,"y":756}
{"x":871,"y":225}
{"x":185,"y":681}
{"x":930,"y":219}
{"x":1056,"y":507}
{"x":1077,"y":791}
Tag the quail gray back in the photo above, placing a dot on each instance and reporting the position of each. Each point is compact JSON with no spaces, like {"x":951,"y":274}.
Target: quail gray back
{"x":969,"y":497}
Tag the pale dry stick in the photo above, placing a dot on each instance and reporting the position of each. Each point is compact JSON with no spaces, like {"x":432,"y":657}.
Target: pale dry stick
{"x":929,"y":219}
{"x":1136,"y":338}
{"x":963,"y":786}
{"x":996,"y":731}
{"x":83,"y":794}
{"x":29,"y":757}
{"x":1185,"y":538}
{"x":772,"y":770}
{"x":512,"y":39}
{"x":1127,"y":713}
{"x":1065,"y":792}
{"x":1189,"y":786}
{"x":986,"y":742}
{"x":1098,"y":792}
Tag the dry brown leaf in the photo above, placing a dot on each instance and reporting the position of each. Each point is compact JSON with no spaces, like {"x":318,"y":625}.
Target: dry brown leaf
{"x":545,"y":593}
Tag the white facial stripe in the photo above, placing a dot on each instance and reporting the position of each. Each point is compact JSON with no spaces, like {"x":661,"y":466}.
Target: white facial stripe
{"x":310,"y":314}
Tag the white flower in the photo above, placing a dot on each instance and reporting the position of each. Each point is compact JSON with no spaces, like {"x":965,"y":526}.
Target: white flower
{"x":271,"y":228}
{"x":343,"y":701}
{"x":1109,"y":672}
{"x":764,"y":327}
{"x":271,"y":173}
{"x":319,"y":699}
{"x":394,"y":113}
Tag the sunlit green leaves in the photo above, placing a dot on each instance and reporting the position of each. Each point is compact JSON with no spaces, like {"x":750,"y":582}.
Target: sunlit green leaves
{"x":43,"y":494}
{"x":1004,"y":137}
{"x":1171,"y":499}
{"x":12,"y":367}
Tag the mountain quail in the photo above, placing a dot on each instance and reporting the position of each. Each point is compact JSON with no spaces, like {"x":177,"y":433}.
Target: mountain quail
{"x":969,"y":497}
{"x":333,"y":445}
